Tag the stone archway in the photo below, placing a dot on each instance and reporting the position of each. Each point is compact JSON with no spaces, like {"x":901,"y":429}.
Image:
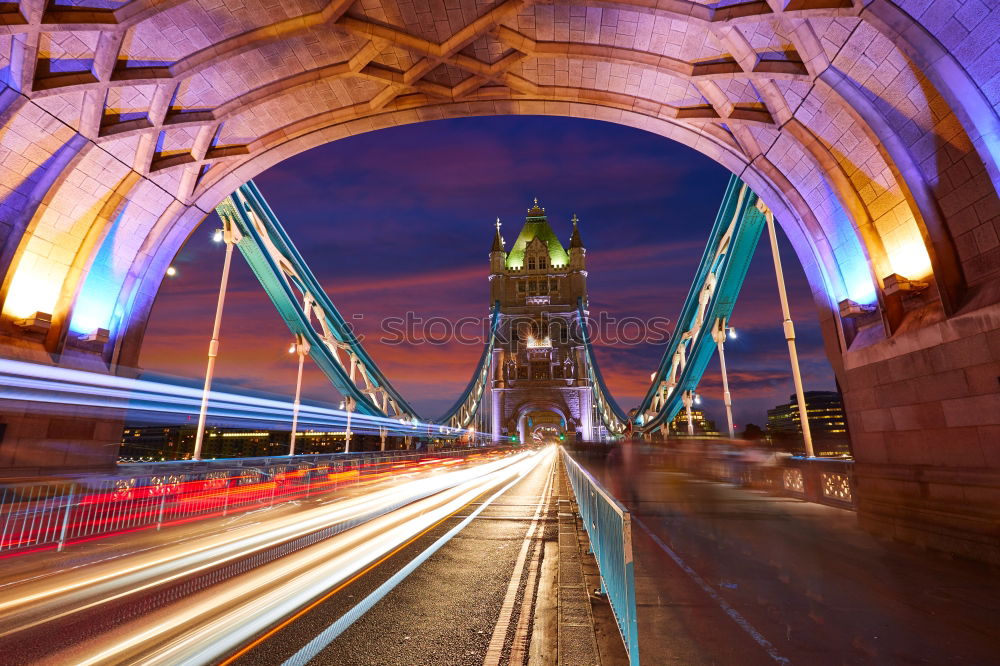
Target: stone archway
{"x":868,"y":127}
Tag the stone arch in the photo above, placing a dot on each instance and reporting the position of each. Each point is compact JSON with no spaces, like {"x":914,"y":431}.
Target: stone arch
{"x":870,"y":127}
{"x":748,"y":116}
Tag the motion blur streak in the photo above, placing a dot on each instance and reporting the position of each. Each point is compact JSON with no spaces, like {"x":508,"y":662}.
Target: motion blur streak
{"x":63,"y":593}
{"x":327,"y":636}
{"x":208,"y":625}
{"x":60,"y":387}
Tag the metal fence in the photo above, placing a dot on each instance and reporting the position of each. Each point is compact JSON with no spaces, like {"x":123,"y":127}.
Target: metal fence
{"x":609,"y":526}
{"x":53,"y":513}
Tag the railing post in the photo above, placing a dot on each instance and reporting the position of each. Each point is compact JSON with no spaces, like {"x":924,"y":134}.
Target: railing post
{"x":159,"y":515}
{"x":65,"y":522}
{"x":225,"y":496}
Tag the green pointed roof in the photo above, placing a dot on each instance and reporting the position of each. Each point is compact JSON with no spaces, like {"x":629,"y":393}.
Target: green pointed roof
{"x":536,"y":225}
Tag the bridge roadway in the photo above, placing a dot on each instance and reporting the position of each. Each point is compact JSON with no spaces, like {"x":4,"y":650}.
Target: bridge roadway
{"x":206,"y":592}
{"x":732,"y":576}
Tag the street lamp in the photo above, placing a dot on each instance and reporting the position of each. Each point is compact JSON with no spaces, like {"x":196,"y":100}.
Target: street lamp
{"x":719,"y":334}
{"x":232,"y":236}
{"x":349,"y":404}
{"x":300,"y":347}
{"x":789,"y":329}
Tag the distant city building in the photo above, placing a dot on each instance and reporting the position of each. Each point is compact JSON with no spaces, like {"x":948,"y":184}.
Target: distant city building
{"x":827,"y":423}
{"x":702,"y":427}
{"x":177,"y":442}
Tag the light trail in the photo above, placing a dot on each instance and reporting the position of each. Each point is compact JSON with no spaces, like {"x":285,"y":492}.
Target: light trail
{"x":208,"y":625}
{"x":40,"y":601}
{"x":60,"y":387}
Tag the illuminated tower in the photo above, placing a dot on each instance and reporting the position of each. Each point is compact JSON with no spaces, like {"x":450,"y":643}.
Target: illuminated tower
{"x":540,"y":380}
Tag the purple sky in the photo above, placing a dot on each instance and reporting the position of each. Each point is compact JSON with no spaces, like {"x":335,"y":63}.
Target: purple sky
{"x":402,"y":219}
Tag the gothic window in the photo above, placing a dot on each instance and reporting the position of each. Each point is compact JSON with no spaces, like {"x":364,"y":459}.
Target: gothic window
{"x":520,"y":285}
{"x":539,"y":371}
{"x":532,"y":287}
{"x":553,"y":285}
{"x":541,"y":263}
{"x":531,"y":263}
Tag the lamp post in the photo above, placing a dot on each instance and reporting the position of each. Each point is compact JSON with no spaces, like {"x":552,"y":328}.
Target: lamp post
{"x":300,"y":347}
{"x":789,"y":329}
{"x":349,"y":404}
{"x":230,"y":236}
{"x":719,"y":335}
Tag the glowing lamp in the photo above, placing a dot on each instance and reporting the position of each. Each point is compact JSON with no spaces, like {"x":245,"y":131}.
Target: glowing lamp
{"x":732,"y":333}
{"x":171,"y":271}
{"x":852,"y":310}
{"x":291,"y":349}
{"x":895,"y":283}
{"x":697,"y":399}
{"x":217,"y":236}
{"x":40,"y":322}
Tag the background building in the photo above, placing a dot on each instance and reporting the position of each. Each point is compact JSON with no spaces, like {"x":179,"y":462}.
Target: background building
{"x":827,"y":423}
{"x":702,"y":427}
{"x":177,"y":442}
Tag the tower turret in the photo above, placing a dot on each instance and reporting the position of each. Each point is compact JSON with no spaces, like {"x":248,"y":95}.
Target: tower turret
{"x":497,"y":255}
{"x":577,"y":252}
{"x":498,"y":262}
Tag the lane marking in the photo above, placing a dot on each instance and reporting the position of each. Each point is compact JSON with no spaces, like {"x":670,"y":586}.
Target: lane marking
{"x":327,"y":636}
{"x":494,"y":652}
{"x":723,"y":604}
{"x":519,"y":644}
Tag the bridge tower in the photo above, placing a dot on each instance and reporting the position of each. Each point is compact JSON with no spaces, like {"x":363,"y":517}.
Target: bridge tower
{"x":539,"y":376}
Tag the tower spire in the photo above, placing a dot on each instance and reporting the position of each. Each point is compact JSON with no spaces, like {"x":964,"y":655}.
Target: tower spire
{"x":498,"y":243}
{"x":574,"y":240}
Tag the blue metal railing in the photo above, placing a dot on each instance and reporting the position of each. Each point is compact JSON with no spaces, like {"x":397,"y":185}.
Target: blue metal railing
{"x":609,"y":526}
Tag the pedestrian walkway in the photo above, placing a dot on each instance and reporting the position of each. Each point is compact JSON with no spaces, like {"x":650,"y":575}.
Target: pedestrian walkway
{"x":731,"y":576}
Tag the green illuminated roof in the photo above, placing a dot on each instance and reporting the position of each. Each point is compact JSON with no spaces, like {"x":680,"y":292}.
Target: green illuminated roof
{"x":537,"y":226}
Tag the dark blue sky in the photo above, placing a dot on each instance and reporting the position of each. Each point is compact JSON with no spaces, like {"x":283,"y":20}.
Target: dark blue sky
{"x":402,"y":219}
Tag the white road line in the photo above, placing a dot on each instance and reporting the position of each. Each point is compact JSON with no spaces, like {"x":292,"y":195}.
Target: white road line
{"x":723,"y":604}
{"x":327,"y":636}
{"x":494,"y":652}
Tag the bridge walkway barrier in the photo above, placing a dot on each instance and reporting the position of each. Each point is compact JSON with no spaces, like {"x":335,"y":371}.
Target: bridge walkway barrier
{"x":609,"y":527}
{"x":55,"y":512}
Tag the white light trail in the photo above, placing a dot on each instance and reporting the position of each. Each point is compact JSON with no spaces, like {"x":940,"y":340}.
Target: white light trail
{"x":205,"y":627}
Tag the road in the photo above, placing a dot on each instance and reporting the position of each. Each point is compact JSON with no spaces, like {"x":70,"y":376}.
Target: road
{"x":731,"y":576}
{"x":436,"y":569}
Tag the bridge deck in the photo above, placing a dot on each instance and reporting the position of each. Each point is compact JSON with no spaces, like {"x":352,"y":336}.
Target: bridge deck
{"x":730,"y":576}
